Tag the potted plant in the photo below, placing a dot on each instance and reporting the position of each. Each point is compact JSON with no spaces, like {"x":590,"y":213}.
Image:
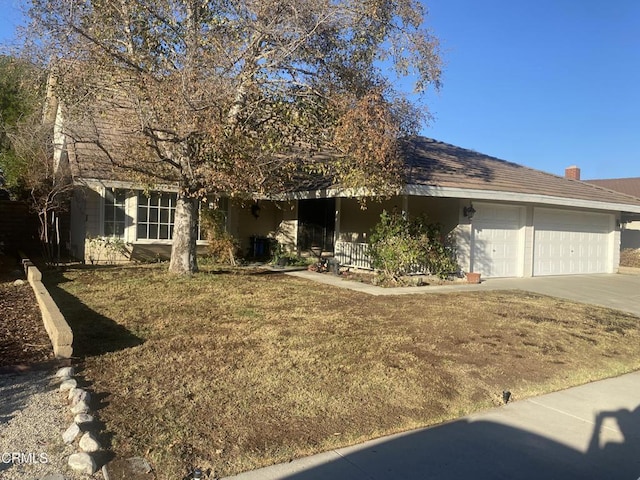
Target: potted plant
{"x":473,"y":277}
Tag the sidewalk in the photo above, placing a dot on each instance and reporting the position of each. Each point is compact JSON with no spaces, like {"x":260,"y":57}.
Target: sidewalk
{"x":587,"y":432}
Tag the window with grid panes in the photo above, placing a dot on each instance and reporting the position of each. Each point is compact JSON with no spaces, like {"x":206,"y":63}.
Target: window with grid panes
{"x":156,"y":215}
{"x":114,"y":213}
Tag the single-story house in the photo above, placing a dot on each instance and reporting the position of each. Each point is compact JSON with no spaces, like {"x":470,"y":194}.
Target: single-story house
{"x":508,"y":220}
{"x":630,"y":235}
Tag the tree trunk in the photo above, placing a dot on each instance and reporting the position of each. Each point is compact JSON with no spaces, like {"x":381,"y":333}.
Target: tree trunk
{"x":185,"y":232}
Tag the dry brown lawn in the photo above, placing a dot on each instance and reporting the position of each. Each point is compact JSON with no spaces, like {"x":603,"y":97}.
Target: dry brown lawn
{"x":230,"y":372}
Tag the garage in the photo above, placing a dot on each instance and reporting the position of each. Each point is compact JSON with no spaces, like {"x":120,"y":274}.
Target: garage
{"x":571,"y":242}
{"x":498,"y":240}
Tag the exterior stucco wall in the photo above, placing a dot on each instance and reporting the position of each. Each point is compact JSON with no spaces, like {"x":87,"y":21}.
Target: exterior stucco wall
{"x":444,"y":211}
{"x":275,"y":220}
{"x":356,"y":223}
{"x":528,"y":252}
{"x":463,"y":246}
{"x":286,"y":233}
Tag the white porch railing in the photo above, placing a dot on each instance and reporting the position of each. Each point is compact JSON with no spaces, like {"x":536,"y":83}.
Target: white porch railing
{"x":352,"y":254}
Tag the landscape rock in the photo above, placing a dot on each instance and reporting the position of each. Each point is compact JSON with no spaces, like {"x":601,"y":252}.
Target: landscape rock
{"x":139,"y":465}
{"x":65,"y":372}
{"x":80,"y":407}
{"x":82,"y":462}
{"x":88,"y":443}
{"x":18,"y":283}
{"x":68,"y":385}
{"x":71,"y":393}
{"x":77,"y":395}
{"x":71,"y":433}
{"x":83,"y":419}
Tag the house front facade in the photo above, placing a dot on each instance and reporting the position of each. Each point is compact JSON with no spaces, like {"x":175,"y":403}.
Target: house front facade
{"x":507,"y":220}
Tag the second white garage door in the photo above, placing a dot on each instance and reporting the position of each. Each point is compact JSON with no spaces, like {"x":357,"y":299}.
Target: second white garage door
{"x":571,"y":242}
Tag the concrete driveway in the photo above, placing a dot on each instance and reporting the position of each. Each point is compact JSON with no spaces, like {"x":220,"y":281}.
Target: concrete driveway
{"x":621,"y":292}
{"x":618,"y":291}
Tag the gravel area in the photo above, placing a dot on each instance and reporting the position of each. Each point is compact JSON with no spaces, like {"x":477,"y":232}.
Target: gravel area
{"x":33,"y":415}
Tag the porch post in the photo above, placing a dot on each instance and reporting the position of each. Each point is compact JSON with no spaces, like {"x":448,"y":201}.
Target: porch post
{"x":336,"y":230}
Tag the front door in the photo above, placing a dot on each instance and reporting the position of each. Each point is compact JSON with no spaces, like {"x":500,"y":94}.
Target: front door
{"x":316,"y":224}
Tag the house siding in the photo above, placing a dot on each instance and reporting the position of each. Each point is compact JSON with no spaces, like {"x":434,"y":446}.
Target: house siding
{"x":77,"y":234}
{"x":93,"y":209}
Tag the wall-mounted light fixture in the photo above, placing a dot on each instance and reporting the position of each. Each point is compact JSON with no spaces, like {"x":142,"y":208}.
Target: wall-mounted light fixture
{"x":469,"y":211}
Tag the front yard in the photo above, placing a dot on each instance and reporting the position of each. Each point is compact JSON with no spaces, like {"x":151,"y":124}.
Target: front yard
{"x":230,"y":371}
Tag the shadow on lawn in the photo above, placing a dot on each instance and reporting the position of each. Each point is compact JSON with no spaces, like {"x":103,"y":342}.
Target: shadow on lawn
{"x":485,"y":449}
{"x":93,"y":333}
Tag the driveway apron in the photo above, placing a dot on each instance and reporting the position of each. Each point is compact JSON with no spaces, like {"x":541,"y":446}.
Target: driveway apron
{"x":621,"y":292}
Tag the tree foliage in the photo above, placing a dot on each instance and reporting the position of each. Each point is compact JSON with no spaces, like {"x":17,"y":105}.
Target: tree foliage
{"x":27,"y":149}
{"x":242,"y":97}
{"x":20,"y":97}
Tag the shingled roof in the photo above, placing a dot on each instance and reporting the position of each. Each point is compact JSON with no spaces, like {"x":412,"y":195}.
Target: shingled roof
{"x":433,"y":163}
{"x":429,"y":163}
{"x":103,"y":136}
{"x":629,"y":186}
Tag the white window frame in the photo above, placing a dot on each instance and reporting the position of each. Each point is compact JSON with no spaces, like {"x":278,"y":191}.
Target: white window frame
{"x":114,"y":207}
{"x":158,"y":215}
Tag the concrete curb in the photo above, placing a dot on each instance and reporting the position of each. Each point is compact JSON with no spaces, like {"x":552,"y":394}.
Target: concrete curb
{"x":55,"y":324}
{"x":629,"y":271}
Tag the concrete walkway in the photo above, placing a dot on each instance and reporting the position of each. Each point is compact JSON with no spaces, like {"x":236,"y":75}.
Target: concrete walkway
{"x":618,"y":291}
{"x":588,"y":432}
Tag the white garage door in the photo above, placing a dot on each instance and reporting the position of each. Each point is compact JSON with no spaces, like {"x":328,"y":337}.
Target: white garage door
{"x":568,"y":242}
{"x":498,"y":240}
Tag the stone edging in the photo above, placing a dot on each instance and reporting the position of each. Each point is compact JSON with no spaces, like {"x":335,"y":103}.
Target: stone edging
{"x":88,"y":445}
{"x":54,"y":322}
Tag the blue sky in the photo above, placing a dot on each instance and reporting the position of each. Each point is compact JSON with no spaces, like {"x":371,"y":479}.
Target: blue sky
{"x":544,"y":83}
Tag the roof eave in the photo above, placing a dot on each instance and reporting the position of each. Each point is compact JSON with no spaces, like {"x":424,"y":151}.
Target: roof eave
{"x":122,"y":184}
{"x":496,"y":195}
{"x":471,"y":194}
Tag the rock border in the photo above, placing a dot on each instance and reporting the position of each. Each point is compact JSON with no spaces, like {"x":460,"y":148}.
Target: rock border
{"x":83,"y":431}
{"x":55,"y":324}
{"x":84,"y":460}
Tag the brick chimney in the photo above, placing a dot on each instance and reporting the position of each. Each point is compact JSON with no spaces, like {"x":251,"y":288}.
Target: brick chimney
{"x":572,"y":172}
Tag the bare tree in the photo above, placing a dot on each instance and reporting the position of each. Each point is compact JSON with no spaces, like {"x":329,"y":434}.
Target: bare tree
{"x":48,"y":187}
{"x":238,"y":97}
{"x":27,"y":158}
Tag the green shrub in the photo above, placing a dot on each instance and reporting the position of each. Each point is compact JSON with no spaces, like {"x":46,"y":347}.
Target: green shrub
{"x":399,"y":246}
